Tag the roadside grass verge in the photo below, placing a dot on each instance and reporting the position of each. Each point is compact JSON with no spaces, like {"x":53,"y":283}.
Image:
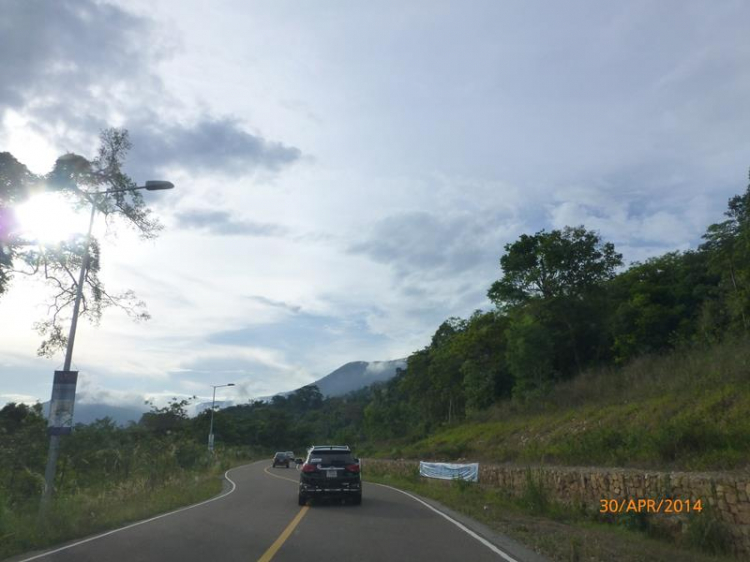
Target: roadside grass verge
{"x":89,"y":511}
{"x":560,"y":532}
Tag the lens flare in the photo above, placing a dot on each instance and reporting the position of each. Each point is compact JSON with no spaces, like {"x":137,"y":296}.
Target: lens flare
{"x":48,"y":218}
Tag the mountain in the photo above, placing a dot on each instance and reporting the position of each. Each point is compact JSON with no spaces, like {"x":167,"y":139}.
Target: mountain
{"x":350,"y":377}
{"x":358,"y":374}
{"x":87,"y":413}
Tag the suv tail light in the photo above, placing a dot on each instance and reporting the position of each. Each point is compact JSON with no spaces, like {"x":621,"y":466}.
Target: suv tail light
{"x":352,"y":467}
{"x":307,"y":467}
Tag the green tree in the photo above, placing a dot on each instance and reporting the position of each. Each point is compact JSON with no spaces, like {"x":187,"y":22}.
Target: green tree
{"x":167,"y":419}
{"x":564,"y":272}
{"x":484,"y":369}
{"x":561,"y":263}
{"x":77,"y":179}
{"x":306,"y":398}
{"x":728,"y":245}
{"x":530,"y":356}
{"x":661,"y":302}
{"x":16,"y":184}
{"x":23,"y":432}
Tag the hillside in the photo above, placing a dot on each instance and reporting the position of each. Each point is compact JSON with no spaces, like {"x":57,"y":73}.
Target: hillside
{"x":685,"y":410}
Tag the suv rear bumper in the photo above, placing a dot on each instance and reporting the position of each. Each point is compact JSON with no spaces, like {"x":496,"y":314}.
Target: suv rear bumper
{"x":352,"y":488}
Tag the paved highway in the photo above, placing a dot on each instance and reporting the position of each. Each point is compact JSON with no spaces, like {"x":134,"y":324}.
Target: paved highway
{"x":258,"y":519}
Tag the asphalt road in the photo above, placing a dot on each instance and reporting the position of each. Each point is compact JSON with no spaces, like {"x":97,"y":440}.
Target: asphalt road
{"x":258,"y":519}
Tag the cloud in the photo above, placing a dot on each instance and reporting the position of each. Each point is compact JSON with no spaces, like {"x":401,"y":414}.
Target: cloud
{"x":90,"y":393}
{"x":222,"y":223}
{"x":294,"y":309}
{"x":639,"y":225}
{"x":429,"y":245}
{"x":377,"y":367}
{"x":302,"y":333}
{"x":73,"y":68}
{"x":207,"y":145}
{"x":18,"y":399}
{"x":254,"y":371}
{"x":70,"y":48}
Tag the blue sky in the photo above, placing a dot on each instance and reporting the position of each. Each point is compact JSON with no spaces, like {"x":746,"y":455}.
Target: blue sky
{"x":348,"y":173}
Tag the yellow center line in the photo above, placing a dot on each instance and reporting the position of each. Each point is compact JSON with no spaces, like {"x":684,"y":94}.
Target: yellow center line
{"x":277,"y":476}
{"x":269,"y":554}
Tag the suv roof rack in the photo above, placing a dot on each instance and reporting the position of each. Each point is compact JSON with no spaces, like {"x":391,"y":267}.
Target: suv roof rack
{"x":331,"y":447}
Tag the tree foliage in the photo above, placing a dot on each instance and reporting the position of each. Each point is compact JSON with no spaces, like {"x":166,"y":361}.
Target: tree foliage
{"x":78,"y":180}
{"x":561,"y":263}
{"x":727,"y":244}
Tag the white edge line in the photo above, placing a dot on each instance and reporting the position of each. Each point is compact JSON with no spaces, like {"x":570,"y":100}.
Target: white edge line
{"x":461,"y":526}
{"x":225,"y":494}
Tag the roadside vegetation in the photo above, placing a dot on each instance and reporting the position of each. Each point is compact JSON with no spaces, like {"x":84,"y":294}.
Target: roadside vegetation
{"x":107,"y":475}
{"x":683,"y":411}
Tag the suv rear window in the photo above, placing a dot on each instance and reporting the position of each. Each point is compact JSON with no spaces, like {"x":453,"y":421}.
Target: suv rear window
{"x":331,"y":458}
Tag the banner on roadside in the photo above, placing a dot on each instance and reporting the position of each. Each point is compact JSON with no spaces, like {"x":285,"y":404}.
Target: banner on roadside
{"x":450,"y":471}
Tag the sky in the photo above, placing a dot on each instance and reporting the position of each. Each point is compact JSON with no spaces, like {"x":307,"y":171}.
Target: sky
{"x":348,"y":173}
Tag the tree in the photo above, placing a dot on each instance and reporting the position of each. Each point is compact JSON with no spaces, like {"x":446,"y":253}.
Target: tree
{"x":167,"y":419}
{"x":530,"y":356}
{"x":661,"y":302}
{"x":728,"y":245}
{"x":306,"y":398}
{"x":562,"y":263}
{"x":77,"y":179}
{"x":562,"y":271}
{"x":16,"y":184}
{"x":22,"y":435}
{"x":482,"y":348}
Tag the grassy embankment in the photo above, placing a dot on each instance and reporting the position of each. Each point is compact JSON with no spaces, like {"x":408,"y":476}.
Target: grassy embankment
{"x":96,"y":509}
{"x":685,"y":411}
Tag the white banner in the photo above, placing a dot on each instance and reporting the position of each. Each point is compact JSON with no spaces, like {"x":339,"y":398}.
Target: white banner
{"x":450,"y":471}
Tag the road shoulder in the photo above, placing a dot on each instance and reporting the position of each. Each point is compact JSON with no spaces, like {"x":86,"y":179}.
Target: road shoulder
{"x":515,"y":549}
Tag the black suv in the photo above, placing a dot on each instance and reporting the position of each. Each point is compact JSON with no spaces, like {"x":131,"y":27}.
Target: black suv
{"x":330,"y":471}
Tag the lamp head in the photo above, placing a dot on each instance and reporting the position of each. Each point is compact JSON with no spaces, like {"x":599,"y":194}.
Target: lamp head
{"x":157,"y":185}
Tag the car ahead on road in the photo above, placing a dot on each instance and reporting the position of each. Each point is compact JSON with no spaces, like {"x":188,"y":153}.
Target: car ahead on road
{"x":330,"y":471}
{"x":281,"y":458}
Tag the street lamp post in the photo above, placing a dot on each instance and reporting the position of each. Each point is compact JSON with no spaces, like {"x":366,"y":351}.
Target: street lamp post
{"x":211,"y":427}
{"x":54,"y":439}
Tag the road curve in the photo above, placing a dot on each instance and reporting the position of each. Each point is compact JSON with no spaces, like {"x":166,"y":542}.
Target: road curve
{"x":260,"y":520}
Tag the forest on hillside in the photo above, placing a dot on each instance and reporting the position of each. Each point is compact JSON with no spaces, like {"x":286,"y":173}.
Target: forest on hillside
{"x":564,"y":305}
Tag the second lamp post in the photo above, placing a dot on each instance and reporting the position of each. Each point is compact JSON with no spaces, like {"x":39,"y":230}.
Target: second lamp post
{"x":211,"y":428}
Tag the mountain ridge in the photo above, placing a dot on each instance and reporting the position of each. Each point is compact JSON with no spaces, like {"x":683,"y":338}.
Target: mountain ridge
{"x":351,"y":376}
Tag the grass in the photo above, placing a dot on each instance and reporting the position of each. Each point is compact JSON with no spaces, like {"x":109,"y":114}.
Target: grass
{"x":91,"y":511}
{"x":562,"y":534}
{"x":684,"y":411}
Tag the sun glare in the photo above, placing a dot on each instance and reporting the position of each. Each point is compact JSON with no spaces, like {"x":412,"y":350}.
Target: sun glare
{"x":49,"y":218}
